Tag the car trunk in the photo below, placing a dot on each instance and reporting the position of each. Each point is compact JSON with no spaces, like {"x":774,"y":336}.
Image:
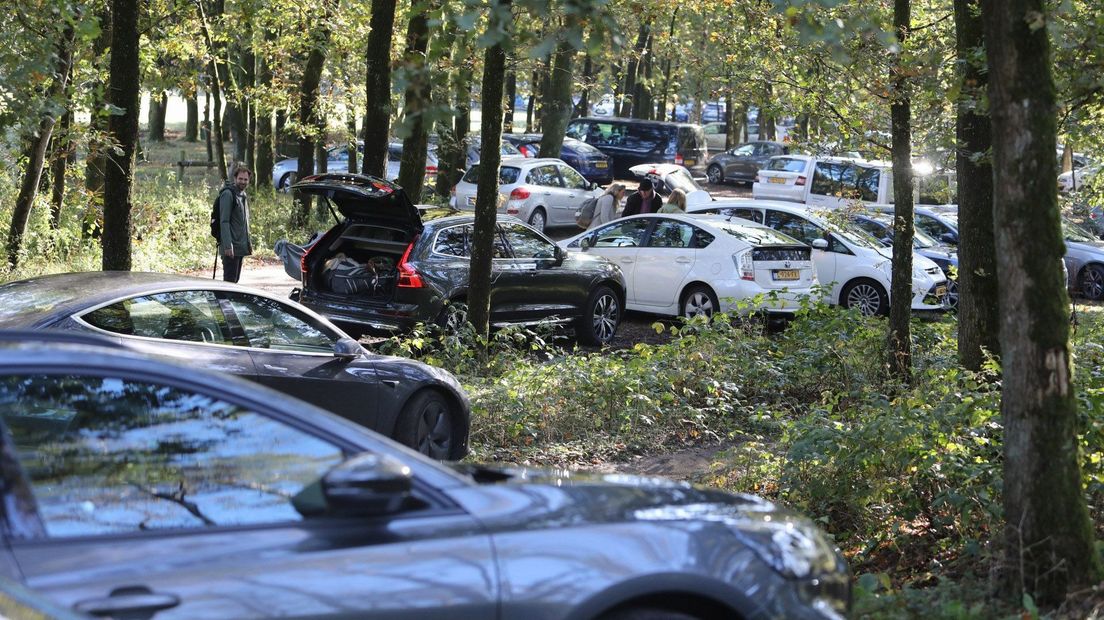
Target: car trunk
{"x":779,"y":266}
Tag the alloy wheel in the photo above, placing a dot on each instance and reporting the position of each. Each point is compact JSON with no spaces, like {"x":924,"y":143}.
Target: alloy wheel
{"x":435,"y":430}
{"x":537,"y":220}
{"x":714,"y":174}
{"x":866,"y":298}
{"x":698,"y":303}
{"x":1092,"y":283}
{"x":606,"y":316}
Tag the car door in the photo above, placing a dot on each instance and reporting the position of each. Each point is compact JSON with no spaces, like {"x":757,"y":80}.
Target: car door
{"x":736,"y":165}
{"x":805,"y":231}
{"x":664,"y":262}
{"x":294,"y":354}
{"x":547,"y":188}
{"x":154,"y":497}
{"x":548,"y":289}
{"x":577,"y":190}
{"x":184,"y":326}
{"x":620,"y":242}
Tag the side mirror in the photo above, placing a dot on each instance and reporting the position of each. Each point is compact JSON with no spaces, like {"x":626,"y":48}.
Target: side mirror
{"x":347,"y":349}
{"x":367,"y":484}
{"x":949,"y":237}
{"x":561,"y":254}
{"x":820,"y":244}
{"x":585,"y":243}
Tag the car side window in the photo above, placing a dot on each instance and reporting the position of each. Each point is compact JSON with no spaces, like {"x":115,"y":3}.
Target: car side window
{"x":621,"y":234}
{"x":795,"y":226}
{"x":746,"y":150}
{"x":526,"y":243}
{"x":572,"y":179}
{"x":545,"y":176}
{"x":826,"y":179}
{"x":269,"y":324}
{"x":106,"y":455}
{"x":867,"y":182}
{"x":931,"y":226}
{"x":874,"y":228}
{"x":671,"y":234}
{"x":453,"y":241}
{"x":191,"y":316}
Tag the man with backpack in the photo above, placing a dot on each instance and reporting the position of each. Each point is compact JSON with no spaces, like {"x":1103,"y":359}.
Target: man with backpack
{"x":230,"y":223}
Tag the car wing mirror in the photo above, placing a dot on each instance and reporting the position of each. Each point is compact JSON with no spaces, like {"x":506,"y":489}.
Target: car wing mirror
{"x":820,"y":244}
{"x":367,"y":484}
{"x":347,"y":349}
{"x":561,"y":254}
{"x":585,"y":243}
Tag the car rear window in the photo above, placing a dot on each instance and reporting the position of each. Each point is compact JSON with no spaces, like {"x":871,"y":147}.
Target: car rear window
{"x":691,"y":139}
{"x":506,"y":175}
{"x":758,"y":235}
{"x":786,"y":164}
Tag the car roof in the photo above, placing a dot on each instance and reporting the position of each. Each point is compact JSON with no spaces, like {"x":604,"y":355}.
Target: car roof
{"x":38,"y":301}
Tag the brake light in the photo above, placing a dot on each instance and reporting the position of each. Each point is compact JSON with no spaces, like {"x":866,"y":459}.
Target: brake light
{"x":800,"y":181}
{"x":679,"y":159}
{"x":431,"y":169}
{"x":408,"y":276}
{"x":744,"y":265}
{"x":519,"y":193}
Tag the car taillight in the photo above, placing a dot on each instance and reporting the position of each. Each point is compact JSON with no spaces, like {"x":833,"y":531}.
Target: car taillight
{"x":744,"y":265}
{"x":408,"y":276}
{"x":431,"y":169}
{"x":519,"y":193}
{"x":679,"y":159}
{"x":453,"y":191}
{"x":800,"y":181}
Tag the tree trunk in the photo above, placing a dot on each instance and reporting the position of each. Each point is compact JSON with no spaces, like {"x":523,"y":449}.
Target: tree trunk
{"x":511,"y":96}
{"x":583,"y":107}
{"x":155,"y":119}
{"x":94,"y":164}
{"x":123,"y":128}
{"x":351,"y":136}
{"x":643,"y":106}
{"x":377,"y":112}
{"x":486,"y":203}
{"x":531,"y":104}
{"x":64,"y":154}
{"x":900,"y":305}
{"x":207,"y":126}
{"x":35,"y":153}
{"x":309,"y":114}
{"x":558,"y":98}
{"x":215,"y":132}
{"x":418,"y":99}
{"x":628,"y":105}
{"x":191,"y":125}
{"x":978,"y":316}
{"x":451,"y":154}
{"x":1048,"y":534}
{"x":264,"y":146}
{"x":235,"y":118}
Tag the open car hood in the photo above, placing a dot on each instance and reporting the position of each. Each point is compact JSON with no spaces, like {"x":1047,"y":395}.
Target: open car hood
{"x":672,"y":176}
{"x":361,"y":197}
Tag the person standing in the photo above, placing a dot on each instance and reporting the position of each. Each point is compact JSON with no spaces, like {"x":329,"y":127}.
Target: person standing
{"x":676,"y":202}
{"x":644,"y":200}
{"x":234,"y":241}
{"x":606,"y":209}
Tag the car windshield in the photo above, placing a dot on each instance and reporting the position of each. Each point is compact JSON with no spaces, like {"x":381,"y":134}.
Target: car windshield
{"x":757,"y":235}
{"x":506,"y":175}
{"x":852,"y":233}
{"x":681,"y":179}
{"x":920,"y":239}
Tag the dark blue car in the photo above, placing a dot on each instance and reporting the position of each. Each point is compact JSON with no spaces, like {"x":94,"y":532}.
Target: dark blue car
{"x":593,"y":164}
{"x":946,"y":256}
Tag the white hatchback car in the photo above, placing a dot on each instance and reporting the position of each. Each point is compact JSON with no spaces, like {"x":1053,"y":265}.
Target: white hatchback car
{"x":784,"y":178}
{"x":542,"y":191}
{"x":855,"y":264}
{"x":684,"y":265}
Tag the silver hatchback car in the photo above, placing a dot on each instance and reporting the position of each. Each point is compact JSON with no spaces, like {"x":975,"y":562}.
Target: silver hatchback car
{"x":545,"y":192}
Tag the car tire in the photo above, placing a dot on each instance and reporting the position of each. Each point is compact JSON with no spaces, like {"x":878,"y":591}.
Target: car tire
{"x":952,"y":296}
{"x":538,"y":219}
{"x":1092,"y":282}
{"x":646,"y":613}
{"x":453,"y":316}
{"x":867,"y":296}
{"x":427,"y":424}
{"x":286,"y":182}
{"x":601,"y":316}
{"x":698,"y":300}
{"x":714,"y":174}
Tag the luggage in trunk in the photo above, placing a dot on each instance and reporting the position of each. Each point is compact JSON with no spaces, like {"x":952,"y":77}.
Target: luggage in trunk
{"x":345,"y":275}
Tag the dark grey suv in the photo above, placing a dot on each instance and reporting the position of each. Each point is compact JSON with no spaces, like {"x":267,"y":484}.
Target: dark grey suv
{"x":137,"y":489}
{"x":382,"y":268}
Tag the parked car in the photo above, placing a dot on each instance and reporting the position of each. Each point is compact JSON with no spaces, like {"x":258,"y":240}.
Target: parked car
{"x":715,"y":135}
{"x":605,"y":106}
{"x":588,"y":161}
{"x":239,"y":331}
{"x":1084,"y":261}
{"x":848,"y":259}
{"x":285,"y":171}
{"x":630,"y":142}
{"x":1077,"y":178}
{"x":684,"y":265}
{"x":880,"y":225}
{"x":521,"y":141}
{"x":473,"y":146}
{"x":414,"y":271}
{"x":784,"y":177}
{"x":668,"y":177}
{"x":544,"y":192}
{"x":139,"y":489}
{"x":742,"y":163}
{"x":940,"y":222}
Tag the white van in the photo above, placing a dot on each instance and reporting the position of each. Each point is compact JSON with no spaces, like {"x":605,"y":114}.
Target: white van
{"x":831,"y":182}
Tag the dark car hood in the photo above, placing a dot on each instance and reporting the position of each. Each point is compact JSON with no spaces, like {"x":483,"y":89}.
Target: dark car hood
{"x":361,"y":197}
{"x":941,"y":254}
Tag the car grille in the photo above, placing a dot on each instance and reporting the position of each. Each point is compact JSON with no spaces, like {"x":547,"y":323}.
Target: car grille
{"x":780,"y":254}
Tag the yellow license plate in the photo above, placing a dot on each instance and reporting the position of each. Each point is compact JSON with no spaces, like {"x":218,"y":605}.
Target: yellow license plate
{"x":689,"y":162}
{"x":600,"y":164}
{"x":940,"y":291}
{"x":471,"y":201}
{"x":787,"y":274}
{"x":776,"y":180}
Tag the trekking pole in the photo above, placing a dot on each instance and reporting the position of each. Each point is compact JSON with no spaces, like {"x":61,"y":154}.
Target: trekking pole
{"x":215,"y":266}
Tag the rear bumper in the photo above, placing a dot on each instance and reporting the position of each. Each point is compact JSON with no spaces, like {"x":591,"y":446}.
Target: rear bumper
{"x":383,"y":317}
{"x":739,"y":296}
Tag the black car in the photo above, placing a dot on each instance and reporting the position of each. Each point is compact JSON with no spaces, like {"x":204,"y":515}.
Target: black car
{"x":382,"y":268}
{"x":139,"y":489}
{"x":239,"y":331}
{"x":631,"y":142}
{"x":946,"y":256}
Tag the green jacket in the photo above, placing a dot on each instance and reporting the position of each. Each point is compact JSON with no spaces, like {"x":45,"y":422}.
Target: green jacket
{"x":234,"y":221}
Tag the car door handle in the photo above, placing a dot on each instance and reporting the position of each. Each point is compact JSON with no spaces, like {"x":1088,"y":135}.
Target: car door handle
{"x":547,"y":193}
{"x":626,"y":260}
{"x":682,"y":259}
{"x":391,"y":383}
{"x":128,"y":602}
{"x":276,"y":368}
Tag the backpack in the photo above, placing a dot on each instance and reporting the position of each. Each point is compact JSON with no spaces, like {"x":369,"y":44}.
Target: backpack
{"x":585,"y":213}
{"x":216,"y":217}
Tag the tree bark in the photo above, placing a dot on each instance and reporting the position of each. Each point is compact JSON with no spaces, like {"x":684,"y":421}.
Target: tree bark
{"x":94,"y":163}
{"x":1048,"y":534}
{"x":486,"y":203}
{"x":123,"y":128}
{"x":417,"y":100}
{"x":451,"y":154}
{"x":377,"y":112}
{"x":215,"y":132}
{"x":900,"y":296}
{"x":35,"y":153}
{"x":155,"y":119}
{"x":511,"y":96}
{"x":643,"y":106}
{"x":264,"y":147}
{"x":309,"y":117}
{"x":191,"y":125}
{"x":351,"y":135}
{"x":628,"y":105}
{"x":558,"y":98}
{"x":64,"y":153}
{"x":583,"y":107}
{"x":978,"y":316}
